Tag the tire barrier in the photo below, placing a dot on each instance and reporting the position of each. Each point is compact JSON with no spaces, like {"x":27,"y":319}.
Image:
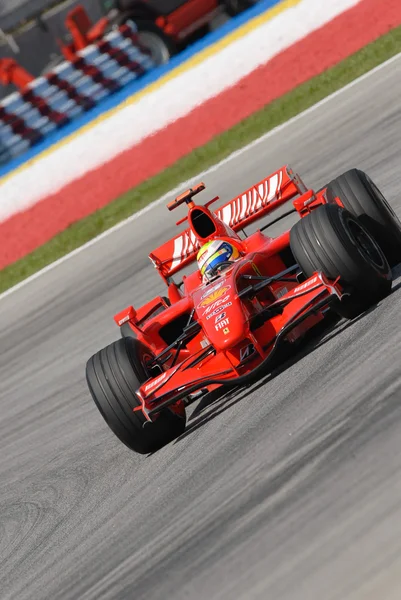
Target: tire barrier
{"x":73,"y":87}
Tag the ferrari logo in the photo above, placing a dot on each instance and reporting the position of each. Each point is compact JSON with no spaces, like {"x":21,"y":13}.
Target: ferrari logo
{"x":214,"y":296}
{"x":226,"y":331}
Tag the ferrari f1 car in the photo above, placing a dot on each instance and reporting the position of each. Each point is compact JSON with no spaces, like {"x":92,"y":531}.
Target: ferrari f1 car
{"x":227,"y":331}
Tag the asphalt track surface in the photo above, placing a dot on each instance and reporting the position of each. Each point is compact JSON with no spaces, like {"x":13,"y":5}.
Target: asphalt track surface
{"x":288,"y":490}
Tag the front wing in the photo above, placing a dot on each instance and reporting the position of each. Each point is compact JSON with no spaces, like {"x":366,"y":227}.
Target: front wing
{"x":291,"y":316}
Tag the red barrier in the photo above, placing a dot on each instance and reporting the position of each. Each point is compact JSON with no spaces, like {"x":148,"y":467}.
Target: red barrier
{"x":11,"y":73}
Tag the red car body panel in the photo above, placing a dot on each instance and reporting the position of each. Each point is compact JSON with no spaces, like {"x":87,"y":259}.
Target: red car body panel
{"x":188,"y":18}
{"x":228,"y":329}
{"x":184,"y":19}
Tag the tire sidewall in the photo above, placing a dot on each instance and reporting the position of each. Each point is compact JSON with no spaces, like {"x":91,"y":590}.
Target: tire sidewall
{"x":113,"y":375}
{"x":389,"y":214}
{"x":361,"y":196}
{"x":383,"y":268}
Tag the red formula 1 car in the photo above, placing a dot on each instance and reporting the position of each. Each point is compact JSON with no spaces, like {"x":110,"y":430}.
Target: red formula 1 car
{"x":227,"y":331}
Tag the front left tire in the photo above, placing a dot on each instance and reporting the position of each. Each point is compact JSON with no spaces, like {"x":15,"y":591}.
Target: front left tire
{"x":113,"y":376}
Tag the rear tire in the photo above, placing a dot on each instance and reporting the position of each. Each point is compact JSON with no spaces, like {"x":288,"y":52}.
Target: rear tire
{"x":362,"y":198}
{"x":160,"y":46}
{"x":113,"y":375}
{"x":333,"y":241}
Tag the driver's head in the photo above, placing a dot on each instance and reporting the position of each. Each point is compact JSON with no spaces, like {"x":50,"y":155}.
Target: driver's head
{"x":213,"y":254}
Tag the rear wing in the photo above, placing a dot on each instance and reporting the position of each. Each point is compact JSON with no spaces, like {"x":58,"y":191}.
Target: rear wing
{"x":259,"y":200}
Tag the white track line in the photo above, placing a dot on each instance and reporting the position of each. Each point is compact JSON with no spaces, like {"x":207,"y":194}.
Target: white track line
{"x":212,"y":169}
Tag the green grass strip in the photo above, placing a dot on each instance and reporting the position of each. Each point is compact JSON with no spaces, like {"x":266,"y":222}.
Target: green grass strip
{"x":200,"y":159}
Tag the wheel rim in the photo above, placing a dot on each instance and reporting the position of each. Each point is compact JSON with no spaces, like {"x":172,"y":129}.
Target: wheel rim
{"x":158,"y":49}
{"x":367,"y":246}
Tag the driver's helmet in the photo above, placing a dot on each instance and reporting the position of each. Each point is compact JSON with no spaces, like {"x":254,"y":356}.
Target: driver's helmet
{"x":213,"y":254}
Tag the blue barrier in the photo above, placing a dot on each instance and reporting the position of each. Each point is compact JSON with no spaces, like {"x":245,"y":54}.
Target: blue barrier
{"x":134,"y":87}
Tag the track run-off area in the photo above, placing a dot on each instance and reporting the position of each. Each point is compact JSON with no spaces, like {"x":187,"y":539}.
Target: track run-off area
{"x":287,"y":490}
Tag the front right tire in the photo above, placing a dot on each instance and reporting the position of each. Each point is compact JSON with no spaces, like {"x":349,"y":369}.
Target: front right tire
{"x":332,"y":240}
{"x":361,"y":196}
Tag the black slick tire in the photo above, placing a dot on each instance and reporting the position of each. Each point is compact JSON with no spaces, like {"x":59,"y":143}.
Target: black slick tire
{"x":160,"y":46}
{"x":333,"y":241}
{"x":360,"y":195}
{"x":113,"y":375}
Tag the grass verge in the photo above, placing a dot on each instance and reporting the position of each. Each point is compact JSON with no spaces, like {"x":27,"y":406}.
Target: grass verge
{"x":200,"y":159}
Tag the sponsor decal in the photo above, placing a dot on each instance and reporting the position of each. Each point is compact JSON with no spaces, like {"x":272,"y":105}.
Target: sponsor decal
{"x":216,"y":304}
{"x":246,"y":352}
{"x":305,"y":285}
{"x":222,"y":324}
{"x":220,"y":317}
{"x":124,"y":320}
{"x":226,"y":331}
{"x":212,"y":288}
{"x":218,"y":310}
{"x":211,"y":298}
{"x":156,"y":381}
